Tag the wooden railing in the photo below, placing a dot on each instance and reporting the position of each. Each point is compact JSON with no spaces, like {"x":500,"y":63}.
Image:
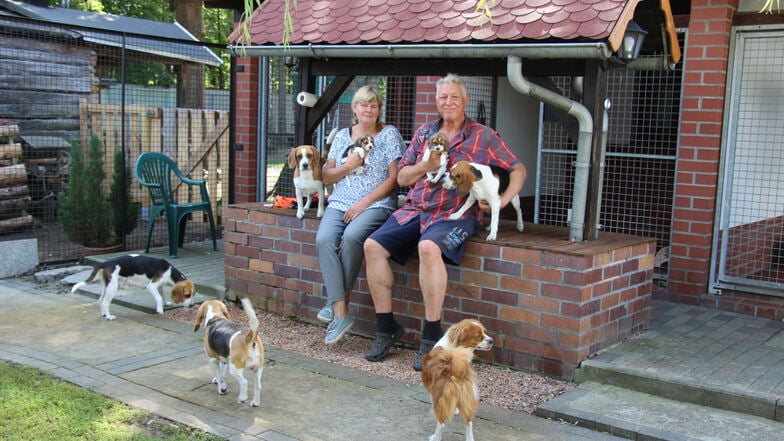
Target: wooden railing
{"x":197,"y":139}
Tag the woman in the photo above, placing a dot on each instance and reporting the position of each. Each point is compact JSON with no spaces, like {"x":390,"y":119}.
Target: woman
{"x":358,"y":204}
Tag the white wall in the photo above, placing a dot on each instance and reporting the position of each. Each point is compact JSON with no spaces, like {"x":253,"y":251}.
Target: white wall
{"x":517,"y":121}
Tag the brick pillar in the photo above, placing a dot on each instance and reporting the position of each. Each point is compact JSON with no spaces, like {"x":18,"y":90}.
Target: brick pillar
{"x":245,"y":118}
{"x":704,"y":86}
{"x":425,"y":100}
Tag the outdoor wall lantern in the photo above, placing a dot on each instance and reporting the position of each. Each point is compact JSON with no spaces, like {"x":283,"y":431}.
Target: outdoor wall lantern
{"x":632,"y":42}
{"x":291,"y":62}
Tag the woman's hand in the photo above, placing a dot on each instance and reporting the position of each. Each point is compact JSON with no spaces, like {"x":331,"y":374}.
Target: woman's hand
{"x":355,"y":210}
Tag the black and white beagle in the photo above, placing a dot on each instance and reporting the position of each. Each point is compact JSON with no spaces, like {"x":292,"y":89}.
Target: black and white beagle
{"x":144,"y":271}
{"x":482,"y":182}
{"x":229,"y":343}
{"x":306,"y":162}
{"x":437,"y":144}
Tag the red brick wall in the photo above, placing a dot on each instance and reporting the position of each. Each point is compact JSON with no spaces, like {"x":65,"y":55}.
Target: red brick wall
{"x":245,"y":118}
{"x":548,"y":302}
{"x":704,"y":85}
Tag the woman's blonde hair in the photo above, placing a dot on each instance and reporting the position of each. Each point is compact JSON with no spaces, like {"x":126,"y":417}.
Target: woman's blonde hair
{"x":368,"y":94}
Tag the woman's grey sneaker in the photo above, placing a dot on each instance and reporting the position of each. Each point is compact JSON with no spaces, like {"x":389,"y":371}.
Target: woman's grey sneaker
{"x":326,"y":314}
{"x":424,"y":347}
{"x":383,"y":344}
{"x":337,"y":329}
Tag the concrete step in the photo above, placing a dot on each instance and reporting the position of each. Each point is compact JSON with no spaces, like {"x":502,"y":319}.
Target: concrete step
{"x":728,"y":395}
{"x":641,"y":416}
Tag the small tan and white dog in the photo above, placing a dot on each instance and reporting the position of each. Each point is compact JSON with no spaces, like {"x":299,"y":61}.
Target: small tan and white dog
{"x":139,"y":270}
{"x":363,"y":146}
{"x":448,"y":377}
{"x":228,"y":343}
{"x":305,"y":160}
{"x":482,"y":182}
{"x":437,"y":144}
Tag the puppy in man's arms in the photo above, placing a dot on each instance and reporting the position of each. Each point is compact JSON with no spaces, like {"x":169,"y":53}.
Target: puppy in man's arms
{"x":482,"y":183}
{"x":449,"y":378}
{"x":133,"y":269}
{"x":306,"y":162}
{"x":437,"y":145}
{"x":229,"y":344}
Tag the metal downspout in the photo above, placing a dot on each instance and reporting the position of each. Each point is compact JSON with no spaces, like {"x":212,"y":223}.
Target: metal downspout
{"x":585,"y":121}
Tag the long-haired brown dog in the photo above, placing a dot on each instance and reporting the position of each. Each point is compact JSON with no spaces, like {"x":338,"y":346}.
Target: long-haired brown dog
{"x":448,"y":376}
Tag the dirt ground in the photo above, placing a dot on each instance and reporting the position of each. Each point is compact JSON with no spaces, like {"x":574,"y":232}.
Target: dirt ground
{"x":54,"y":247}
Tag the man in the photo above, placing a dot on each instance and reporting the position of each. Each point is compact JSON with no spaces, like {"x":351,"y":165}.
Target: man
{"x":422,"y":224}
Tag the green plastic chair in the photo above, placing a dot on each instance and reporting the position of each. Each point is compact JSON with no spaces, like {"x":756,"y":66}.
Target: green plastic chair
{"x":154,"y":170}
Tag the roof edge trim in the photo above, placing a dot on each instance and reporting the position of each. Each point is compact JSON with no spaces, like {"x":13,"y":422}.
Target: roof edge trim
{"x":594,"y":50}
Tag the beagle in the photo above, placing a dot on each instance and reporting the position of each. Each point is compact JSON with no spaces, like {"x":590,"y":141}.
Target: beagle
{"x":153,"y":272}
{"x":363,"y":146}
{"x":229,"y":343}
{"x":482,"y":182}
{"x":306,"y":163}
{"x":437,"y":144}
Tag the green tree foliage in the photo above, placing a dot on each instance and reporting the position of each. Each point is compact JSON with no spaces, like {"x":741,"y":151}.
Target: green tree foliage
{"x":84,"y":211}
{"x":125,"y":214}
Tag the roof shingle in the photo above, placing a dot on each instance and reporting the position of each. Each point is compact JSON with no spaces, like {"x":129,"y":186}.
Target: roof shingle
{"x":435,"y":21}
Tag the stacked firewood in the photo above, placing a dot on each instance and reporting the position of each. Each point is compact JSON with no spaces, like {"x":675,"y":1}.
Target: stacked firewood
{"x":14,"y":193}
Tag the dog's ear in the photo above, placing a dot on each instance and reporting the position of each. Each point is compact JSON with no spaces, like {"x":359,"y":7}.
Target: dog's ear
{"x":182,"y":291}
{"x":199,"y":318}
{"x":462,"y":177}
{"x":293,"y":158}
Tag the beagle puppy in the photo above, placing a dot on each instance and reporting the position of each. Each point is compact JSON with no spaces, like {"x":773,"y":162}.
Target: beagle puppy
{"x":306,"y":163}
{"x":229,"y":343}
{"x":438,"y":145}
{"x":482,"y":182}
{"x":145,"y":271}
{"x":362,"y":147}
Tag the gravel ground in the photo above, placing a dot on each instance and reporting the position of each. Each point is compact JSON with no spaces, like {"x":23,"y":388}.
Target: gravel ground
{"x":499,"y":386}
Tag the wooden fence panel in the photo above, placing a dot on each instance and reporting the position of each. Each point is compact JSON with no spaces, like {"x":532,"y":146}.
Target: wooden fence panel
{"x":197,"y":139}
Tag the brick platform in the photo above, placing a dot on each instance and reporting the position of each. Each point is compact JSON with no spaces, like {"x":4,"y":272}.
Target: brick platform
{"x":549,"y":303}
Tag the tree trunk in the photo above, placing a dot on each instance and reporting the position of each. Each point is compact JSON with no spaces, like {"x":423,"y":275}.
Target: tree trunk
{"x":190,"y":84}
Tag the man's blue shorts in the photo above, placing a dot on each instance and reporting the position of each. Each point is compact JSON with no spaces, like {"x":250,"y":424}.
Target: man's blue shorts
{"x":401,"y":240}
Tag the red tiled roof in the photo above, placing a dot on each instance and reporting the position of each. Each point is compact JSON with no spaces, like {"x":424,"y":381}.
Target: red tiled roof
{"x":335,"y":22}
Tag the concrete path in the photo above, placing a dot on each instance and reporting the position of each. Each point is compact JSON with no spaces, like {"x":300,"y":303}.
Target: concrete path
{"x":158,"y":365}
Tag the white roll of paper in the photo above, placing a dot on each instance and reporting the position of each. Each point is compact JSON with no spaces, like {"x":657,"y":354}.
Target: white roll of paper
{"x":306,"y":99}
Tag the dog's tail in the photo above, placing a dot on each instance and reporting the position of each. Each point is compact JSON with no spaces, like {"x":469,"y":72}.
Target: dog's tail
{"x":451,"y":370}
{"x":253,"y":321}
{"x":89,"y":280}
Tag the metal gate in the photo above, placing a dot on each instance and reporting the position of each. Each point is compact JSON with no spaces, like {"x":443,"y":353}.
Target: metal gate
{"x":749,"y":250}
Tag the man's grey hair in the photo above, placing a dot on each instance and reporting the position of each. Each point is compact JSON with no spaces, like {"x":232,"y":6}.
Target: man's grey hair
{"x":451,"y":78}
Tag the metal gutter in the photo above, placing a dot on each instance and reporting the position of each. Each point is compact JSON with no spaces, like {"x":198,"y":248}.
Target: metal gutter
{"x":584,"y":119}
{"x":531,"y":51}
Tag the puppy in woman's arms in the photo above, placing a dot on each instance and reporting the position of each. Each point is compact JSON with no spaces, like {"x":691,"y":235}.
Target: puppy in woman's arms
{"x":306,"y":162}
{"x":144,"y":271}
{"x":449,"y":378}
{"x":482,"y":182}
{"x":362,"y":147}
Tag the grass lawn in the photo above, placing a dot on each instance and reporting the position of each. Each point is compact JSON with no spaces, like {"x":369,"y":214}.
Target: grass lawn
{"x":38,"y":406}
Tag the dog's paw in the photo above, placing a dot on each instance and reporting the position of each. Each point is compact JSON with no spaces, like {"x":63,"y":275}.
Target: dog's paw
{"x":300,"y":214}
{"x":109,"y":317}
{"x":490,"y":237}
{"x":254,"y":403}
{"x":454,"y":216}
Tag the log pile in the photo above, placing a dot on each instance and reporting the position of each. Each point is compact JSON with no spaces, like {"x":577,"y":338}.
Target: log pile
{"x":14,"y":193}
